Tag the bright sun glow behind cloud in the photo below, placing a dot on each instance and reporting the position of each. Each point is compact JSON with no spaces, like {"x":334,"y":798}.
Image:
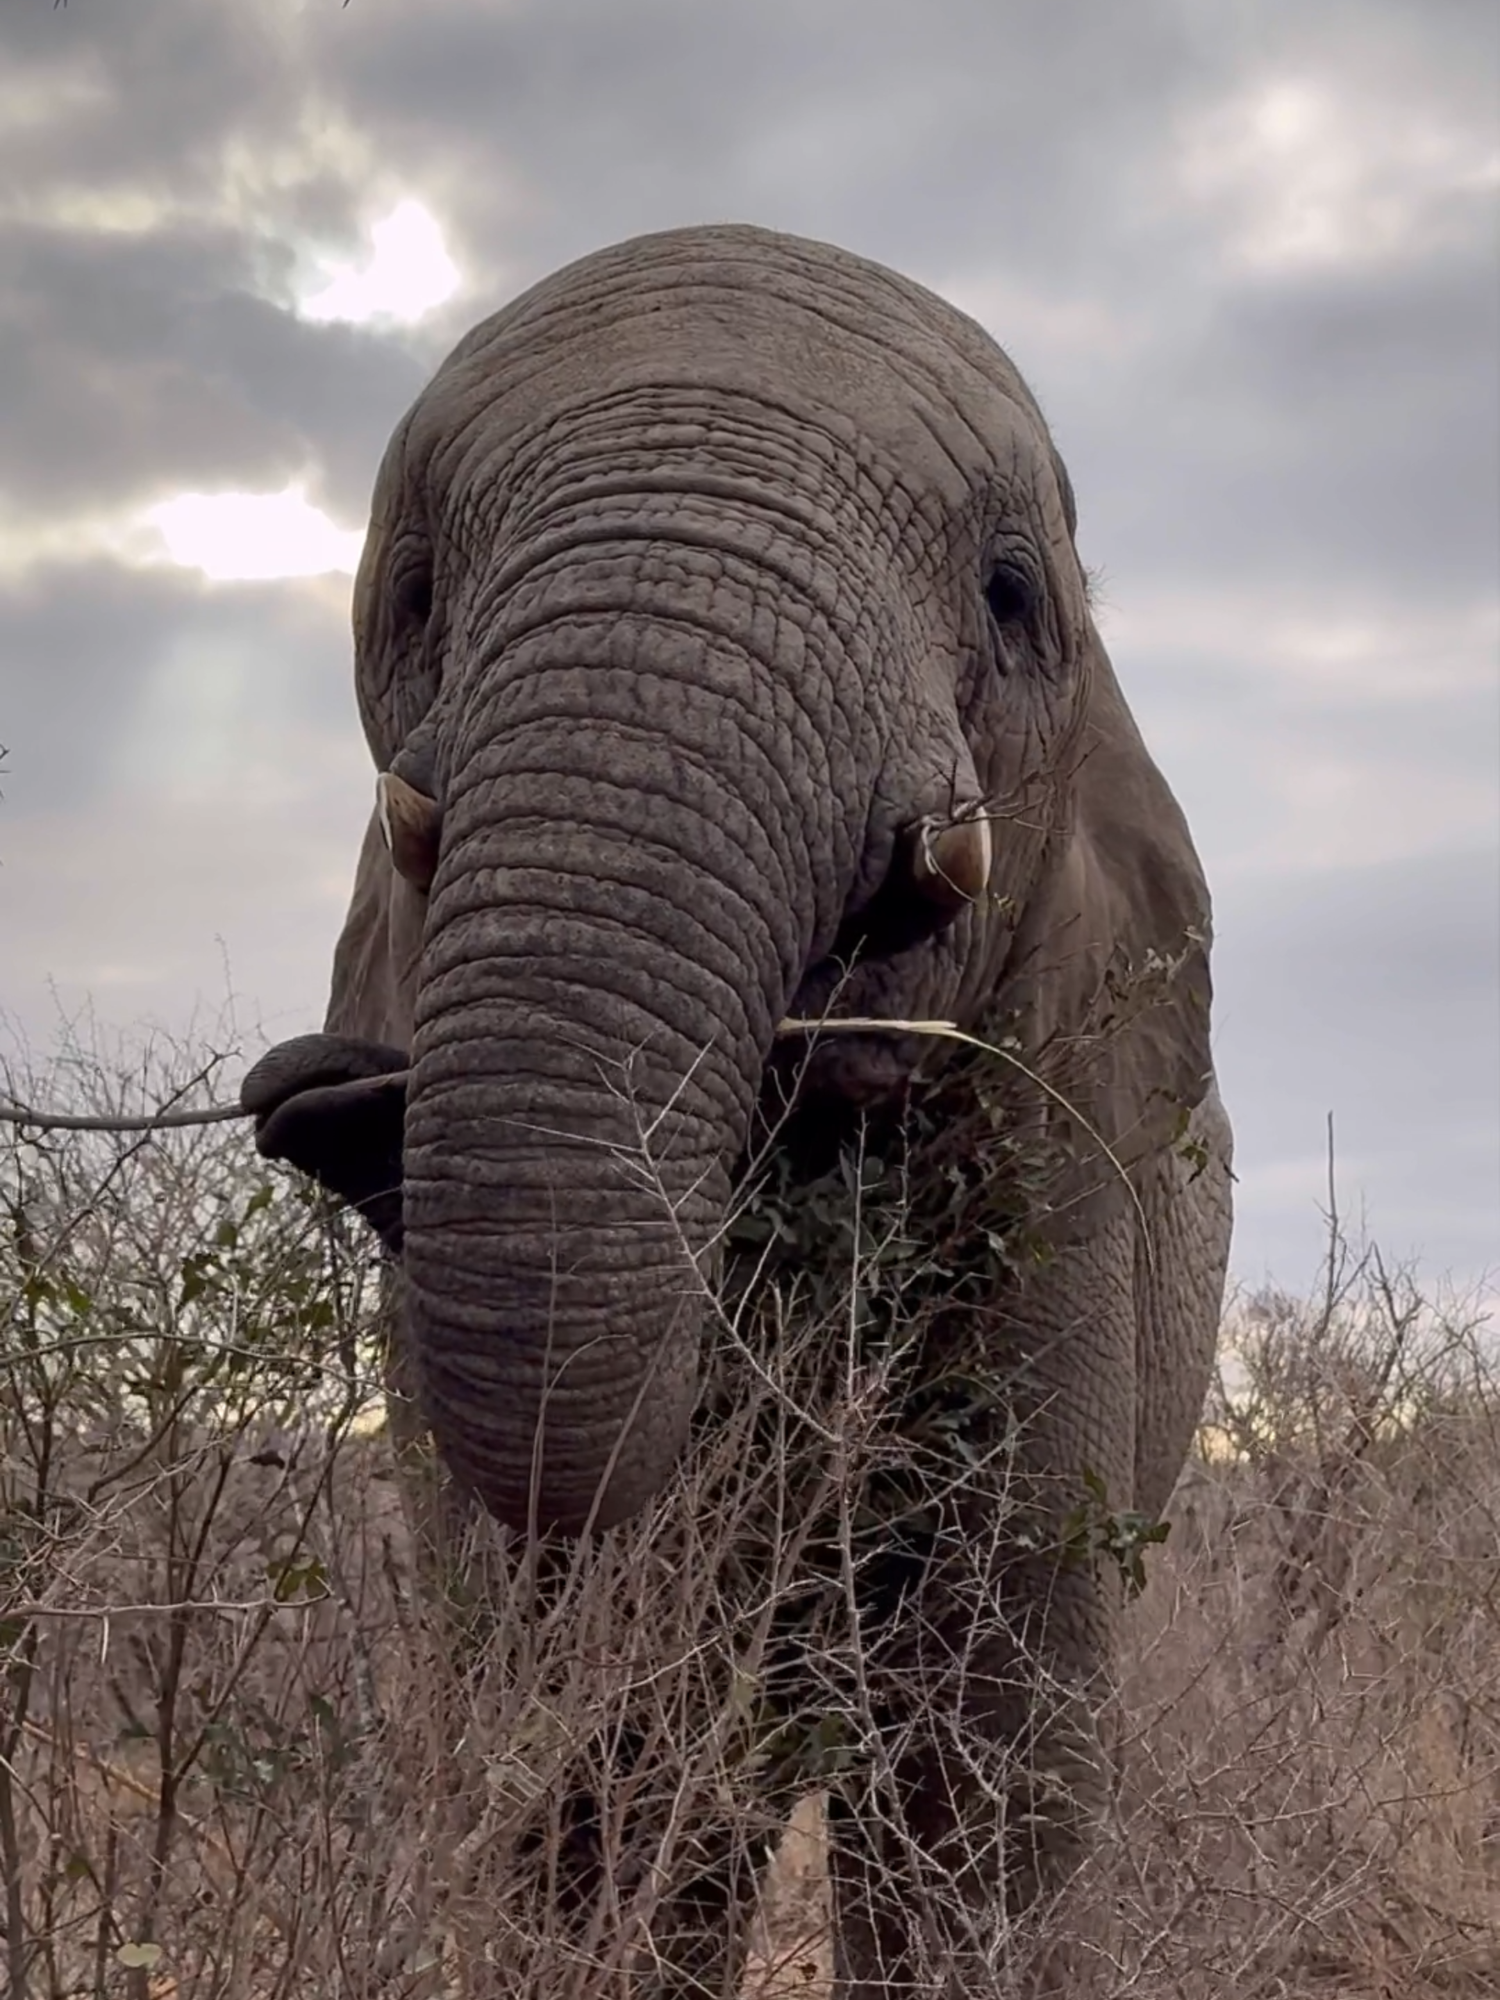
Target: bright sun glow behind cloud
{"x":408,"y":272}
{"x":253,"y":537}
{"x":1313,"y":175}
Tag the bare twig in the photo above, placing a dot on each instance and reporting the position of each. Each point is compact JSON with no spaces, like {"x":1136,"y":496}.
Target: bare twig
{"x":12,"y":1113}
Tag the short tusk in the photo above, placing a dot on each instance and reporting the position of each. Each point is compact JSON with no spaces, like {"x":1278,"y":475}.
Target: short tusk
{"x":951,"y":864}
{"x":411,"y":823}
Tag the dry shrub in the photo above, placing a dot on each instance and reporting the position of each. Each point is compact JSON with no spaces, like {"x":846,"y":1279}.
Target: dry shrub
{"x":1310,"y":1705}
{"x":205,"y":1623}
{"x":252,"y":1745}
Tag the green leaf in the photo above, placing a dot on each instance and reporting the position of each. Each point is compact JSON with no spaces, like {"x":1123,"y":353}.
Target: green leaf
{"x":290,"y":1580}
{"x":143,"y":1954}
{"x":194,"y":1279}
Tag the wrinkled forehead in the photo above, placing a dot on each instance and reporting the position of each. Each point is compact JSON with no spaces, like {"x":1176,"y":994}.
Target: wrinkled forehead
{"x":717,"y":321}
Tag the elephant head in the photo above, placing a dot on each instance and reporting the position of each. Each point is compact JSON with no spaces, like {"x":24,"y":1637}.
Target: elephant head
{"x":724,"y":654}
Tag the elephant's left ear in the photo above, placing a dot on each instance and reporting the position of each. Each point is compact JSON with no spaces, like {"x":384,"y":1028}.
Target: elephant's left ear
{"x":375,"y":961}
{"x":1111,"y":961}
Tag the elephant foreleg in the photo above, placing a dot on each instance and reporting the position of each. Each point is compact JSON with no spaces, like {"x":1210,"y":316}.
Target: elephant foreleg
{"x":632,"y":1893}
{"x":998,"y":1773}
{"x":987,"y":1695}
{"x":699,"y":1940}
{"x":986,"y":1812}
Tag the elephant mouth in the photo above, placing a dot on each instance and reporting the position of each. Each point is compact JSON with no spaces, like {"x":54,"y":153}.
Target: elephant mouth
{"x":818,"y":1071}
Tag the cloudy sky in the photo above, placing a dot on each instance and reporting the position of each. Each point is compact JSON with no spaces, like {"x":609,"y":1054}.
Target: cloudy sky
{"x":1244,"y":250}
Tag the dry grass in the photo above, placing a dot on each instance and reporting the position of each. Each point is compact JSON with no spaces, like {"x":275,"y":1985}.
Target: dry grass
{"x":233,"y":1761}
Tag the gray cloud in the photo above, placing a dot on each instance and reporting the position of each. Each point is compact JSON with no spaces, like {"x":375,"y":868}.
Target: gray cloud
{"x":1288,"y":458}
{"x":1368,"y":994}
{"x":1361,"y":411}
{"x":857,"y":120}
{"x":129,"y":361}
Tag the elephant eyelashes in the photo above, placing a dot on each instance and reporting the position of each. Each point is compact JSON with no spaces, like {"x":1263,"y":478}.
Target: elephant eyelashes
{"x":1010,"y":594}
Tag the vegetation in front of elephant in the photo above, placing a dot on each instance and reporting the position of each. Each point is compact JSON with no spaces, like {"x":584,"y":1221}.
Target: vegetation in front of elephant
{"x":859,"y":1275}
{"x":221,"y":1766}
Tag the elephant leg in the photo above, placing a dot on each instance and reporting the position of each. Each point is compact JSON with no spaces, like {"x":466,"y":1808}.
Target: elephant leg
{"x":1187,"y":1195}
{"x":984,"y":1821}
{"x":700,"y":1937}
{"x":630,"y":1896}
{"x":987,"y":1695}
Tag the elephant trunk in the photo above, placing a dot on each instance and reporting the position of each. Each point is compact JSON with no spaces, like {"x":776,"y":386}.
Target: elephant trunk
{"x":612,"y":937}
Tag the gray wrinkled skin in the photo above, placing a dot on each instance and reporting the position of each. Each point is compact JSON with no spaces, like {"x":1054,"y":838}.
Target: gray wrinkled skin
{"x":695,"y":576}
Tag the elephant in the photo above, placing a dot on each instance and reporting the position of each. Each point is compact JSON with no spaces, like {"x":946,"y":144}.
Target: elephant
{"x":731,"y":677}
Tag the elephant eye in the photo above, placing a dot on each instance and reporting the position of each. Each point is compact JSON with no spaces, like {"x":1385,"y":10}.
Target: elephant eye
{"x":1011,"y":594}
{"x":412,"y":593}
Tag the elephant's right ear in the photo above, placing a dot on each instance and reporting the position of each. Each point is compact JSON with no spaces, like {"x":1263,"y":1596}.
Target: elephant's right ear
{"x":1109,"y":972}
{"x":375,"y":960}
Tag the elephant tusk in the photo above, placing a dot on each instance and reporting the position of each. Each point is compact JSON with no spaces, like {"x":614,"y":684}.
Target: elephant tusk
{"x":951,"y":860}
{"x":411,"y":823}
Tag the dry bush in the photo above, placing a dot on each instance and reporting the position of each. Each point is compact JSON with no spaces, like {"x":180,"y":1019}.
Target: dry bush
{"x":201,"y":1592}
{"x":1310,"y":1800}
{"x":250,"y":1745}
